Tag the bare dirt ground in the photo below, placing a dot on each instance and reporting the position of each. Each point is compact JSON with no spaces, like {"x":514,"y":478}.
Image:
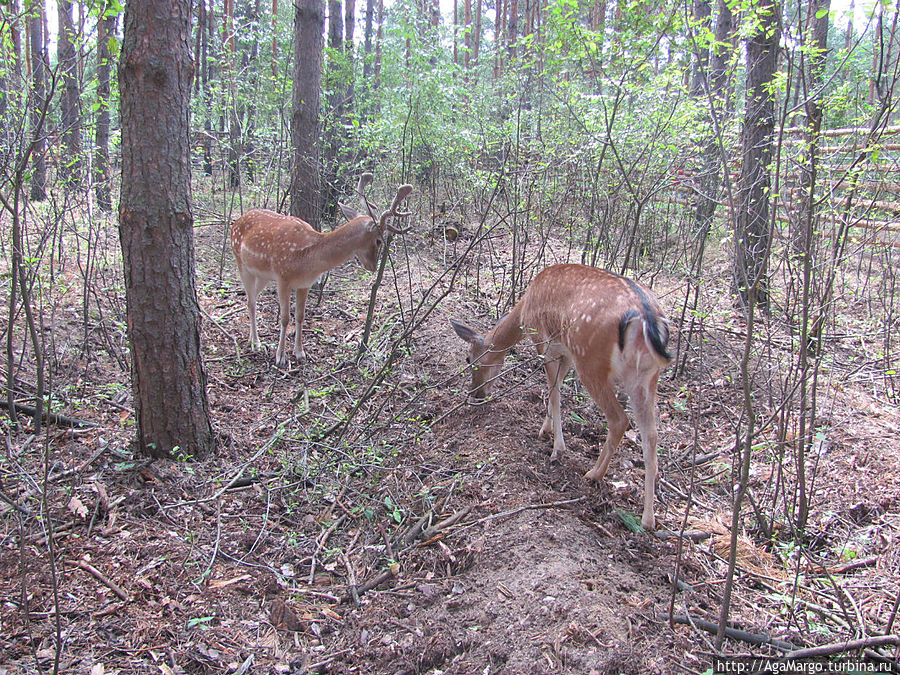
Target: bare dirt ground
{"x":426,"y":536}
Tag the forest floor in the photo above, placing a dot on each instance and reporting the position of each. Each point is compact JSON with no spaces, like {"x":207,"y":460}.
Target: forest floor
{"x":426,"y":536}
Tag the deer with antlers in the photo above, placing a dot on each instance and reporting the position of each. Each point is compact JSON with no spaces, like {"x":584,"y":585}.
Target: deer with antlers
{"x":611,"y":329}
{"x":269,"y":246}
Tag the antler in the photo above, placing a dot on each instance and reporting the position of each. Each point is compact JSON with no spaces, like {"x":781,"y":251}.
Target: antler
{"x":364,"y":180}
{"x":402,"y":193}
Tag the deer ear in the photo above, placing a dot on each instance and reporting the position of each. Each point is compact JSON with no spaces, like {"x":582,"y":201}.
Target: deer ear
{"x":349,"y":212}
{"x":466,"y":333}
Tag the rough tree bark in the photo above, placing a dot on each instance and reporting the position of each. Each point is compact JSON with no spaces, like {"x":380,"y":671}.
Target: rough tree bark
{"x":156,"y":231}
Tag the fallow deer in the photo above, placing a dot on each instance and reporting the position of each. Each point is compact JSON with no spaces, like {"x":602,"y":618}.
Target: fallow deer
{"x":269,"y":246}
{"x":613,"y":331}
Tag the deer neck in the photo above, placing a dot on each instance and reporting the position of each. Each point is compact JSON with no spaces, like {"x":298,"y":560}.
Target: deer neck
{"x":340,"y":245}
{"x":507,"y":332}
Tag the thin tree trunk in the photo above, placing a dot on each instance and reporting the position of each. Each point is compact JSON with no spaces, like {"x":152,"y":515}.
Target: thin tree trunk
{"x":309,"y":19}
{"x":817,"y":40}
{"x":274,"y":38}
{"x":476,"y":38}
{"x":702,"y":18}
{"x":752,"y":235}
{"x":70,"y":168}
{"x":376,"y":73}
{"x":367,"y":45}
{"x":106,"y":27}
{"x":204,"y":22}
{"x":512,"y":33}
{"x":234,"y":120}
{"x":349,"y":52}
{"x":38,"y":101}
{"x":467,"y":36}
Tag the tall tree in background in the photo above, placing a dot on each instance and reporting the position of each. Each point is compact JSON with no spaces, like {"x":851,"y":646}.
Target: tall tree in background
{"x":11,"y":52}
{"x":512,"y":33}
{"x":39,"y":72}
{"x":336,"y":82}
{"x":815,"y":43}
{"x":156,"y":231}
{"x":367,"y":40}
{"x":234,"y":121}
{"x":202,"y":59}
{"x":752,"y":235}
{"x":349,"y":32}
{"x":711,"y":83}
{"x":70,"y":99}
{"x":106,"y":30}
{"x":476,"y":37}
{"x":702,"y":18}
{"x":309,"y":20}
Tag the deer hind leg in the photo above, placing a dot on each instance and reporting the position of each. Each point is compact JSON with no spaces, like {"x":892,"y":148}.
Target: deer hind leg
{"x":643,"y":401}
{"x":604,"y":395}
{"x":252,"y":287}
{"x":284,"y":316}
{"x":299,"y":312}
{"x":556,"y":366}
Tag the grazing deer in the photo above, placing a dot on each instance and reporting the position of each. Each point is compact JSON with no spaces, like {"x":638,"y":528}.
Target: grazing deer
{"x":611,"y":328}
{"x":269,"y":246}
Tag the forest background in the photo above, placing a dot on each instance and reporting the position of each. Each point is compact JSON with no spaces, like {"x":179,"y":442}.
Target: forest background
{"x":737,"y":156}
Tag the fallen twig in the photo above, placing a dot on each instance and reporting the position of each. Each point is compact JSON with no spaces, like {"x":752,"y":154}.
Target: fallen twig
{"x":527,"y":507}
{"x":320,"y":545}
{"x":840,"y":647}
{"x":53,"y":418}
{"x":854,"y":565}
{"x":98,"y":575}
{"x":444,"y":524}
{"x":18,"y":507}
{"x":732,"y":633}
{"x":691,"y":535}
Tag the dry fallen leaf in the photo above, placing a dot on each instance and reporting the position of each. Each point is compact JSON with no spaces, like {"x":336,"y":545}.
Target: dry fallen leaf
{"x":77,"y":508}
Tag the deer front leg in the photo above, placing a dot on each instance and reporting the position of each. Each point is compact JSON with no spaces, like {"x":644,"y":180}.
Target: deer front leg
{"x":299,"y":313}
{"x":284,"y":315}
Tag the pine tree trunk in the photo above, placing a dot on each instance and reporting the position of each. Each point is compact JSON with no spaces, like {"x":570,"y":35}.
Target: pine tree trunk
{"x":156,"y":231}
{"x":309,"y":19}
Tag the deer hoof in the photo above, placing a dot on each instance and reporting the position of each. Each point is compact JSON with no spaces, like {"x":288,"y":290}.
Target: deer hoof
{"x":594,"y":475}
